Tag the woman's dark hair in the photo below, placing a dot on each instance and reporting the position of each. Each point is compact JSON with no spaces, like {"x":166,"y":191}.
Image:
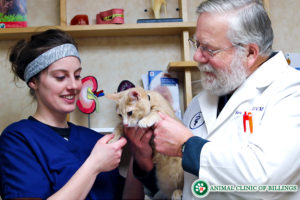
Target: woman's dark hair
{"x":22,"y":53}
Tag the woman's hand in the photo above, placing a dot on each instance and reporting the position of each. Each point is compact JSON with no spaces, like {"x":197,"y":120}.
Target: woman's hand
{"x":105,"y":157}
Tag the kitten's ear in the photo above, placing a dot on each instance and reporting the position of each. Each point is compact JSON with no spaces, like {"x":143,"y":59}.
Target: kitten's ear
{"x":114,"y":97}
{"x":134,"y":95}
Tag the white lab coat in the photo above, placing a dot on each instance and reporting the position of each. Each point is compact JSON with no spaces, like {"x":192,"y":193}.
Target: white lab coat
{"x":268,"y":156}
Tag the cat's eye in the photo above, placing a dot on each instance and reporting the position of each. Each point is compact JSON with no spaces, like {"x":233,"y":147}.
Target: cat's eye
{"x":120,"y":115}
{"x":129,"y":113}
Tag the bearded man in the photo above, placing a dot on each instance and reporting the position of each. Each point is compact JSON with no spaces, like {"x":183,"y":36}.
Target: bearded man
{"x":243,"y":128}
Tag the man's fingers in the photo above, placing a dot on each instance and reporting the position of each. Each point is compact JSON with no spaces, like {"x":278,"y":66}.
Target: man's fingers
{"x":147,"y":136}
{"x":140,"y":133}
{"x":129,"y":132}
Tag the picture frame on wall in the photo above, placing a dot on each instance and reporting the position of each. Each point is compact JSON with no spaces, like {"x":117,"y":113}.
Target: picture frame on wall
{"x":13,"y":13}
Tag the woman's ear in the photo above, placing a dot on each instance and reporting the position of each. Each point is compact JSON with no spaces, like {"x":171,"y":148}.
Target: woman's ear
{"x":33,"y":83}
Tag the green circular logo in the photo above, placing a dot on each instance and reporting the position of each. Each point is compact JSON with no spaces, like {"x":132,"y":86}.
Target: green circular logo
{"x":200,"y":188}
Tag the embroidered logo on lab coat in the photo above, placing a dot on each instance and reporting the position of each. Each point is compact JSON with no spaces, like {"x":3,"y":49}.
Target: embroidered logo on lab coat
{"x":196,"y":121}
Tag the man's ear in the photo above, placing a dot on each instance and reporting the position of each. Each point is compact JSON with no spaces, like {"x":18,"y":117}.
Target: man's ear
{"x":253,"y":55}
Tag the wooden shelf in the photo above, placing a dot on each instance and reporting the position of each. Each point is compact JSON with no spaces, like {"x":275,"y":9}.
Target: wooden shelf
{"x":186,"y":67}
{"x":182,"y":65}
{"x":86,"y":31}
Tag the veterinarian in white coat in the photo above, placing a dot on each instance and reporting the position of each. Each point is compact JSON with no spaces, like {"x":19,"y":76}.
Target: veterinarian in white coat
{"x":267,"y":156}
{"x":253,"y":139}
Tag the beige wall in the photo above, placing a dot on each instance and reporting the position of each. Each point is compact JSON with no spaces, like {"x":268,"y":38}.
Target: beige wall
{"x":112,"y":59}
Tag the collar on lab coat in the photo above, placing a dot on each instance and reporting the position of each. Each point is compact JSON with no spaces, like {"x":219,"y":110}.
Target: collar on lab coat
{"x":255,"y":84}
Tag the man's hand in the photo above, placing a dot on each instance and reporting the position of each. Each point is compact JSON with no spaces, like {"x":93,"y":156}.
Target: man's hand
{"x":139,"y":144}
{"x":169,"y":135}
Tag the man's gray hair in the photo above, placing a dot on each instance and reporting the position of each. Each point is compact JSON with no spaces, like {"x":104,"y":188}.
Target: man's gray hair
{"x":249,"y":23}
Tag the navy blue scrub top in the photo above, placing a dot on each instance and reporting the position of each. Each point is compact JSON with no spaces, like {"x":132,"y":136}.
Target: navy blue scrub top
{"x":35,"y":161}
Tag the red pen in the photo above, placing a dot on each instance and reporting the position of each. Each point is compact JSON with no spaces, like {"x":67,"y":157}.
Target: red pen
{"x":250,"y":122}
{"x":248,"y":117}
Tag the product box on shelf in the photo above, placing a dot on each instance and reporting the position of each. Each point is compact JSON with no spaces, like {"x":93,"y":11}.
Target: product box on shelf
{"x":13,"y":13}
{"x":166,"y":85}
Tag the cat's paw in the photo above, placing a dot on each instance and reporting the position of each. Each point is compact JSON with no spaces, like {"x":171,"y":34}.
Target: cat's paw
{"x":149,"y":120}
{"x":144,"y":123}
{"x":177,"y":195}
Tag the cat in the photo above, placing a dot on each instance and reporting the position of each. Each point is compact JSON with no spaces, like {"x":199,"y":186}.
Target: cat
{"x":156,"y":5}
{"x":139,"y":107}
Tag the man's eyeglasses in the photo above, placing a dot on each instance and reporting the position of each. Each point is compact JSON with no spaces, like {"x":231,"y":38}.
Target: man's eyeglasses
{"x":196,"y":45}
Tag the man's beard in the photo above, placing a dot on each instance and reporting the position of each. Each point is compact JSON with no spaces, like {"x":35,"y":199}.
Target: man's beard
{"x":226,"y":80}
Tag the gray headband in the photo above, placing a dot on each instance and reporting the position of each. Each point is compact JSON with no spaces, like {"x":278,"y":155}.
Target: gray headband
{"x":49,"y":57}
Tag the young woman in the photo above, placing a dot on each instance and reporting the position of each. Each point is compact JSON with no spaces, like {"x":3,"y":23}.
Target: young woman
{"x":45,"y":156}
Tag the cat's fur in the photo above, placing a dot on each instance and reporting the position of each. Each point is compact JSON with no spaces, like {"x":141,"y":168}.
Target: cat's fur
{"x":139,"y":107}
